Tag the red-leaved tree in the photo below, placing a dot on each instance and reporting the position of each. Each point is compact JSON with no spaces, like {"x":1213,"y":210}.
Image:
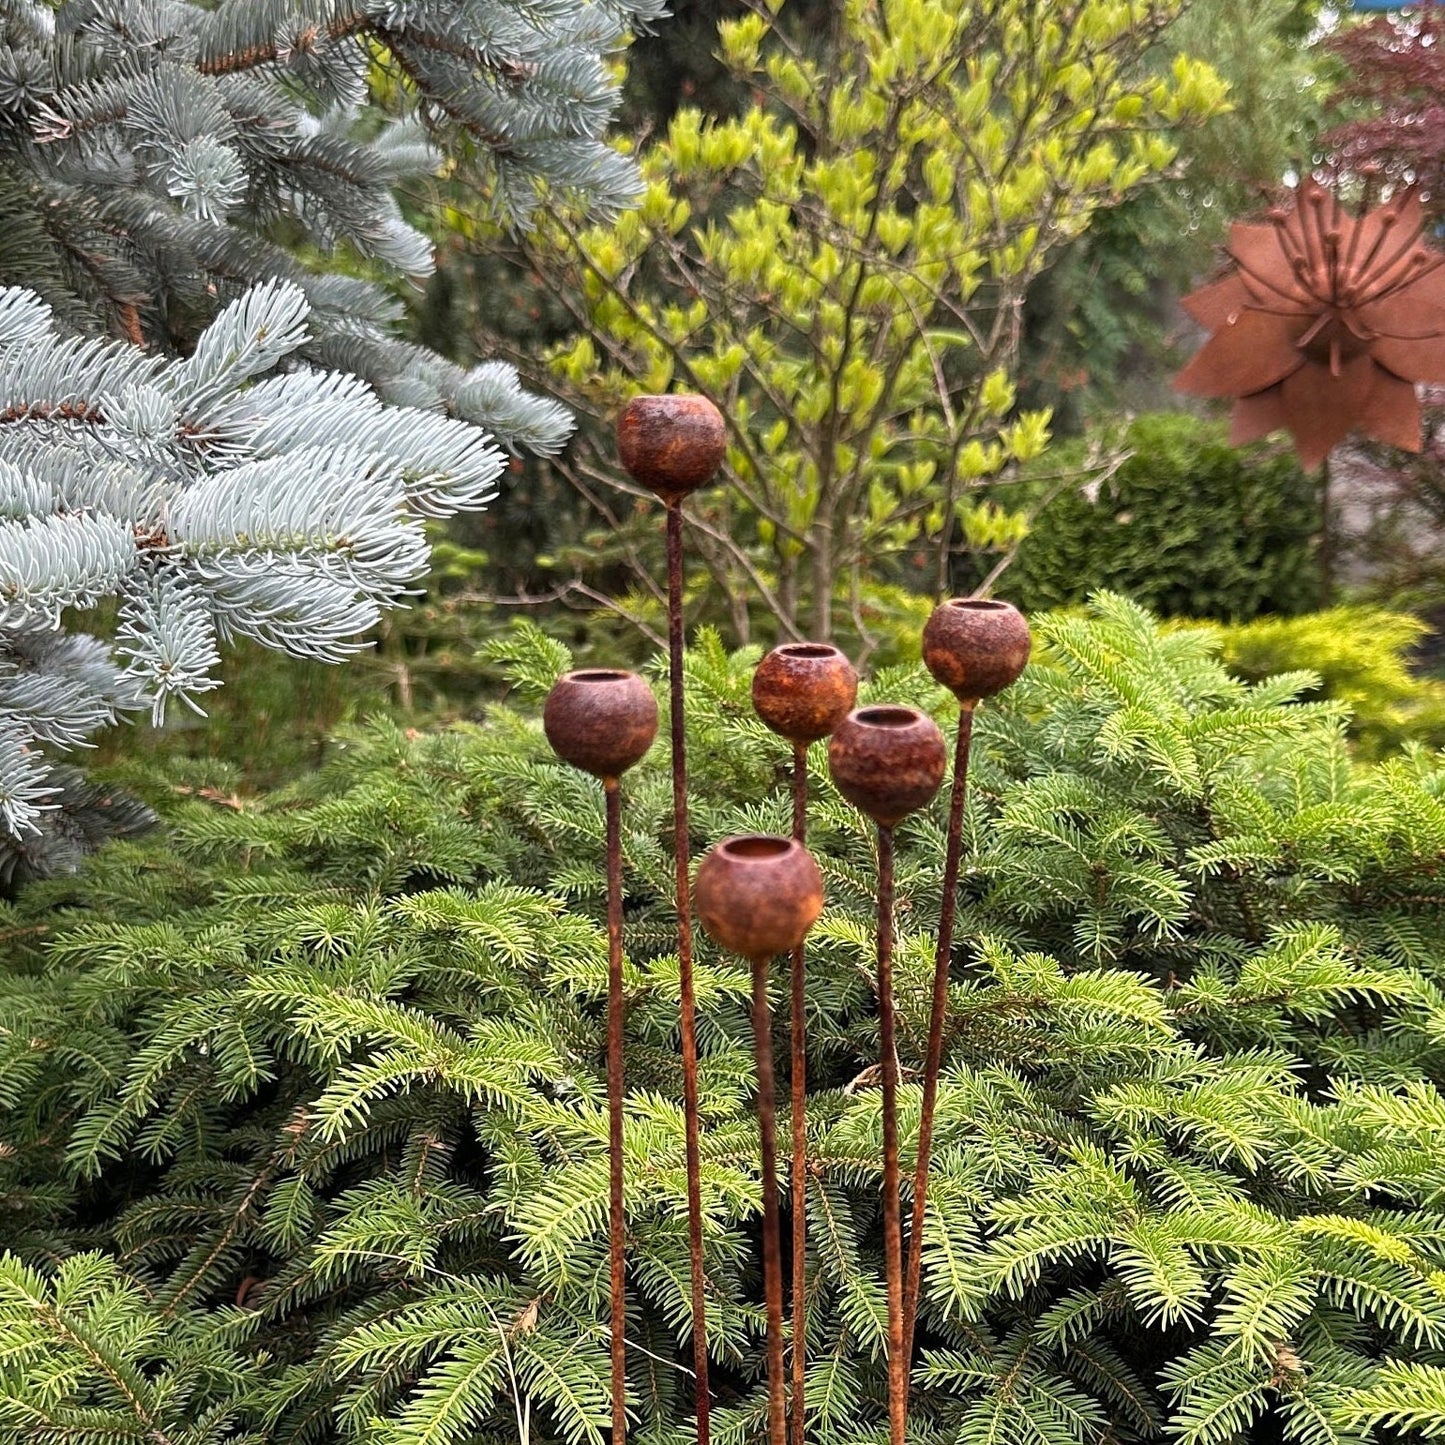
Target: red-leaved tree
{"x":1395,"y":80}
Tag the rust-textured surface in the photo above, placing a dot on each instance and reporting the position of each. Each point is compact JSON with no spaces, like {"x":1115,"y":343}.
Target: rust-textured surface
{"x":976,"y":646}
{"x":600,"y":720}
{"x":687,"y":988}
{"x":758,"y":895}
{"x":892,"y":1208}
{"x":616,"y":1018}
{"x":798,"y":1177}
{"x":772,"y":1245}
{"x":1323,"y":323}
{"x":672,"y":445}
{"x":933,"y":1062}
{"x":603,"y":721}
{"x":888,"y":761}
{"x":803,"y":690}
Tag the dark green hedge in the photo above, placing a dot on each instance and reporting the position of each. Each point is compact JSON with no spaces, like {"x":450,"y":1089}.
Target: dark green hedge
{"x":1189,"y":526}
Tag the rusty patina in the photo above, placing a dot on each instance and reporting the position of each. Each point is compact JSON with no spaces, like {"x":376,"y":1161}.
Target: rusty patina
{"x":887,"y":761}
{"x":672,"y":444}
{"x":1323,"y":323}
{"x":803,"y":690}
{"x":601,"y":720}
{"x":758,"y":895}
{"x":976,"y":646}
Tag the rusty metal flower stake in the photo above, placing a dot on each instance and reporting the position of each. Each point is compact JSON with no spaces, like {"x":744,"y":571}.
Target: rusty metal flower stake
{"x":975,"y":647}
{"x":603,"y":722}
{"x":758,"y":896}
{"x":889,"y":762}
{"x":1323,"y":324}
{"x":802,"y":691}
{"x":672,"y":445}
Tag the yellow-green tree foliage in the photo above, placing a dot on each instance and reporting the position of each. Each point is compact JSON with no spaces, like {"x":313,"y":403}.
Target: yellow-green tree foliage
{"x":843,"y":267}
{"x":1361,"y":656}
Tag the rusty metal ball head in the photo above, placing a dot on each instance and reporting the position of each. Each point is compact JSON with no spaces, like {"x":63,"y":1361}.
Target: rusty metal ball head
{"x":672,"y":444}
{"x":758,"y":895}
{"x":601,"y":720}
{"x":976,"y":646}
{"x":803,"y":690}
{"x":888,"y":761}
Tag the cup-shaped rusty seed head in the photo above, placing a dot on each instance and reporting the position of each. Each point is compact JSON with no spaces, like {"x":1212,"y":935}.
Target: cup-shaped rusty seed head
{"x":600,"y":720}
{"x":803,"y":690}
{"x":976,"y":647}
{"x":671,"y":444}
{"x":758,"y":895}
{"x":887,"y":761}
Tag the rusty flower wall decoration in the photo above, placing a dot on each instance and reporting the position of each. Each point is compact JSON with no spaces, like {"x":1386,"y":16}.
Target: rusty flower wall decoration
{"x":1324,"y":324}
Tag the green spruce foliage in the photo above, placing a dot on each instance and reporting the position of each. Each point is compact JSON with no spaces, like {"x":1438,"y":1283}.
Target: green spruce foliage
{"x":304,"y":1136}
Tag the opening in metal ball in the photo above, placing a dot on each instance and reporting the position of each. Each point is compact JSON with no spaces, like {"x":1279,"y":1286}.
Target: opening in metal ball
{"x":887,"y":717}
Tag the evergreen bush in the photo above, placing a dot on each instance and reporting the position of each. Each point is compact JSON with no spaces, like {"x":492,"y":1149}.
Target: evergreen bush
{"x":1362,"y":656}
{"x":205,"y":412}
{"x":1188,"y":526}
{"x":303,"y":1131}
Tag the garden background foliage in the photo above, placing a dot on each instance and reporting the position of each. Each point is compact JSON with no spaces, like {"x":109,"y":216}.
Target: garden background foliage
{"x":304,"y":1139}
{"x":1183,"y":523}
{"x":843,"y":266}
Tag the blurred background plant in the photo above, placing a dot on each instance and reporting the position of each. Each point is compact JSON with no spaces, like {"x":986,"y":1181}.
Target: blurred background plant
{"x":844,"y":266}
{"x":1184,"y":523}
{"x":1103,"y":329}
{"x":1362,"y":657}
{"x":1152,"y":505}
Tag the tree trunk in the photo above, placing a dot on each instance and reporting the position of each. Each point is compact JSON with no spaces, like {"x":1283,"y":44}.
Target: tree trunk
{"x":822,"y":581}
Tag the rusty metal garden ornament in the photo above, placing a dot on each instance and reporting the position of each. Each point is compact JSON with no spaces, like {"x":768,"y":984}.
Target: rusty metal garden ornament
{"x":1323,"y":324}
{"x":603,"y":722}
{"x":975,"y":647}
{"x":758,"y":896}
{"x":672,"y":445}
{"x":888,"y":762}
{"x":802,"y":691}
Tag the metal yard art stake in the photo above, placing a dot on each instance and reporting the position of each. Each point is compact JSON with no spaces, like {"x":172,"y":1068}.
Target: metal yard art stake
{"x":975,"y":647}
{"x":888,"y":762}
{"x":802,"y":691}
{"x":672,"y":445}
{"x":758,"y":896}
{"x":603,"y":722}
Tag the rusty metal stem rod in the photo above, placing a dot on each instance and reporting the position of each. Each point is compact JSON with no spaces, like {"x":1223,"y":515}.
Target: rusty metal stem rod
{"x":952,"y":860}
{"x":892,"y":1222}
{"x":688,"y":1005}
{"x":799,"y":1080}
{"x":616,"y":1224}
{"x":772,"y":1240}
